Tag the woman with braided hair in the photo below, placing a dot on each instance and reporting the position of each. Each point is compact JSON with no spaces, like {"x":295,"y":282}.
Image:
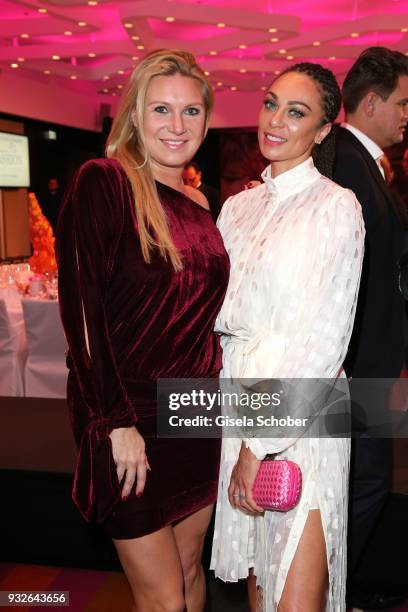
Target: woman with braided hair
{"x":296,"y":245}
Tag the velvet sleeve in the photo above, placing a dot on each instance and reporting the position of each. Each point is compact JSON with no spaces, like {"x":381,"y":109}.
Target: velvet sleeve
{"x":90,"y":228}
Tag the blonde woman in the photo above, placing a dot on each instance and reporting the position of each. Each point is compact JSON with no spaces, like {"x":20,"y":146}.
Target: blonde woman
{"x":143,"y":273}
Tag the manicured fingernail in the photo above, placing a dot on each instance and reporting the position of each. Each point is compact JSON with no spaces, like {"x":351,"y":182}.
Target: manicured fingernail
{"x":124,"y":498}
{"x":138,"y":494}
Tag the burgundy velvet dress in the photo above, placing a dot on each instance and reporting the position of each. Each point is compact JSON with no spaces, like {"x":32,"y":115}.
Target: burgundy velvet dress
{"x":143,"y":321}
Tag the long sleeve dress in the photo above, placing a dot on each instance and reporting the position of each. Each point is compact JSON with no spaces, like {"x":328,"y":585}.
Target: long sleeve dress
{"x":296,"y":246}
{"x":128,"y":323}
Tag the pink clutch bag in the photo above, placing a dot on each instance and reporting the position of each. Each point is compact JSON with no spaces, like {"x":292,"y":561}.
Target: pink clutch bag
{"x":277,"y":485}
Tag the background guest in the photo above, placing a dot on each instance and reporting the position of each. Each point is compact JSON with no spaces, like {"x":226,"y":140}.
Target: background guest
{"x":192,"y":176}
{"x":400,"y":182}
{"x":51,"y":202}
{"x":375,"y":95}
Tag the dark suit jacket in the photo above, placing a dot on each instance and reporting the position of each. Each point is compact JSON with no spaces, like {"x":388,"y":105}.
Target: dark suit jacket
{"x":213,"y":197}
{"x":376,"y":346}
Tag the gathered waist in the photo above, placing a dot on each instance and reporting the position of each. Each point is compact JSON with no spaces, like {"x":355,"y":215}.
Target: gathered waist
{"x":253,"y":356}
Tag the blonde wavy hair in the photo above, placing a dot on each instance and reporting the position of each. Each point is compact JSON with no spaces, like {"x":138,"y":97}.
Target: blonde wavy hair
{"x":126,"y":143}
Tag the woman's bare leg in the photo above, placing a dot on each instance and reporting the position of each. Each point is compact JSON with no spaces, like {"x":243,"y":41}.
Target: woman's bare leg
{"x":307,"y":579}
{"x":252,"y":591}
{"x":153,"y":568}
{"x":190,"y":534}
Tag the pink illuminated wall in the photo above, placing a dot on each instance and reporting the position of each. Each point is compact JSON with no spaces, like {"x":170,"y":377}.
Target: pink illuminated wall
{"x":61,"y":59}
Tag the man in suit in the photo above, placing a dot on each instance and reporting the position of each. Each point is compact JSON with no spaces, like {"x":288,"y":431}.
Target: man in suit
{"x":192,"y":176}
{"x":375,"y":96}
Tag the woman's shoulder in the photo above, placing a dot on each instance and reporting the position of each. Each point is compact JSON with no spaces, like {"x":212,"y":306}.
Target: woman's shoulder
{"x":99,"y":188}
{"x":196,"y":196}
{"x":337,"y":195}
{"x":99,"y":168}
{"x":240,"y":202}
{"x":341,"y":209}
{"x":242,"y":198}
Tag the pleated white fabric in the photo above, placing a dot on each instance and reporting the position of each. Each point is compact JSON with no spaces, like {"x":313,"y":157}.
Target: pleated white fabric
{"x":296,"y":246}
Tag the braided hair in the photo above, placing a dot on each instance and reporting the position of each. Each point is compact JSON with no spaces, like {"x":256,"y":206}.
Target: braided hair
{"x":324,"y":153}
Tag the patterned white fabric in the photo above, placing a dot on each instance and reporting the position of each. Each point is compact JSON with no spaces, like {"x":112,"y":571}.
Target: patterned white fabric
{"x":296,"y":246}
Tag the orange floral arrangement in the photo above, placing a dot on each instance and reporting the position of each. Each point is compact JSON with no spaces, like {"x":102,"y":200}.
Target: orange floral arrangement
{"x":42,"y":238}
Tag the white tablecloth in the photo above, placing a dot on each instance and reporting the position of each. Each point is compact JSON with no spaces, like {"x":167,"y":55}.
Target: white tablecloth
{"x":13,"y":346}
{"x":32,"y":352}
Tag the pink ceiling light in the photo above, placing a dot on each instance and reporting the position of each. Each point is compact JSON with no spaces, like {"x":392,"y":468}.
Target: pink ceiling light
{"x":241,"y":43}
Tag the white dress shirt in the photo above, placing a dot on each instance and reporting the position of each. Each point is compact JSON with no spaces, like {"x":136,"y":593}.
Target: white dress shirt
{"x":374,"y":150}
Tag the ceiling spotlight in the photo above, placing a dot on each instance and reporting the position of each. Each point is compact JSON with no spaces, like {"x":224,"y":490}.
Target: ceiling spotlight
{"x":106,"y":90}
{"x":134,"y":58}
{"x":14,"y":65}
{"x":106,"y":77}
{"x":56,"y":57}
{"x":264,"y":88}
{"x":207,"y":73}
{"x":135,"y":37}
{"x":276,"y":72}
{"x":170,"y":19}
{"x":121,"y":72}
{"x":272,"y":30}
{"x":316,"y":43}
{"x":242,"y":70}
{"x":213,"y":53}
{"x":82,"y":24}
{"x":242,"y":46}
{"x":92,"y":2}
{"x":73,"y":77}
{"x":289,"y":57}
{"x":42,"y":10}
{"x":25,"y":36}
{"x":68,"y":33}
{"x":140,"y":47}
{"x":354,"y":34}
{"x":282,"y":51}
{"x":120,"y":86}
{"x":47,"y":71}
{"x":91,"y":54}
{"x":221,"y":25}
{"x":220,"y":84}
{"x":128,"y":25}
{"x":404,"y":29}
{"x":275,"y":39}
{"x":233,"y":88}
{"x":114,"y":93}
{"x":332,"y":58}
{"x":20,"y":59}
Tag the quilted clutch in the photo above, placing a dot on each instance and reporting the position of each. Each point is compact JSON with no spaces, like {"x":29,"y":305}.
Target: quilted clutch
{"x":277,"y":485}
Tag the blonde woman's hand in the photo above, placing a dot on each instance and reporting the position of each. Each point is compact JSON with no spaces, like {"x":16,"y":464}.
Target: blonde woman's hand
{"x":242,"y":480}
{"x":128,"y":449}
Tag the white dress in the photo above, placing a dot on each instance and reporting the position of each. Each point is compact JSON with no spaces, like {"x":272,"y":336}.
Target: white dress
{"x":296,"y":246}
